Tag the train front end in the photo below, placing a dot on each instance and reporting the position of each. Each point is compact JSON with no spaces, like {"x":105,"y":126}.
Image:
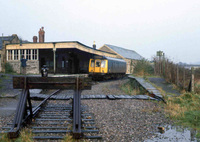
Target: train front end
{"x":98,"y":68}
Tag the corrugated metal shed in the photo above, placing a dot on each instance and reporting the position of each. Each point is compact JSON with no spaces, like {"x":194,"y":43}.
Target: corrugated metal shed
{"x":129,"y":54}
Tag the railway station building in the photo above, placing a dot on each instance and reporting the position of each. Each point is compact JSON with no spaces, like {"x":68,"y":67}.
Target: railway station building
{"x":130,"y":56}
{"x":3,"y":41}
{"x":67,"y":57}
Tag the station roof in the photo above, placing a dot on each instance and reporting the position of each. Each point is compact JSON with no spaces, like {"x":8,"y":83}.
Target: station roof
{"x":126,"y":53}
{"x":10,"y":38}
{"x":59,"y":45}
{"x":5,"y":38}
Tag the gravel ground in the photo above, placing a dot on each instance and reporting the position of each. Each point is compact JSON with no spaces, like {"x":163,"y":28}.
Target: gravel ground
{"x":120,"y":120}
{"x":126,"y":120}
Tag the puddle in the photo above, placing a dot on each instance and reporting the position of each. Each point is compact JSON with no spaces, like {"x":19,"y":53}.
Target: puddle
{"x":175,"y":134}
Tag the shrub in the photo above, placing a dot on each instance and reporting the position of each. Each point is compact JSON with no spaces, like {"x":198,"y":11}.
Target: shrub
{"x":8,"y":68}
{"x":143,"y":67}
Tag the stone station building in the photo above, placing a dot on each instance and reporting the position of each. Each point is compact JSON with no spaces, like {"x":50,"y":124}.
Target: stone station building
{"x":130,"y":56}
{"x":3,"y":41}
{"x":68,"y":57}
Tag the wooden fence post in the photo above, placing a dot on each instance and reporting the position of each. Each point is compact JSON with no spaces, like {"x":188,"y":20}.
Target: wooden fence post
{"x":192,"y":79}
{"x":183,"y":77}
{"x":164,"y":65}
{"x":155,"y":66}
{"x":177,"y":76}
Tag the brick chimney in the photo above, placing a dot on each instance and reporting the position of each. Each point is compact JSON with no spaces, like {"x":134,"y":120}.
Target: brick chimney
{"x":35,"y":39}
{"x":41,"y":34}
{"x":14,"y":34}
{"x":94,"y":45}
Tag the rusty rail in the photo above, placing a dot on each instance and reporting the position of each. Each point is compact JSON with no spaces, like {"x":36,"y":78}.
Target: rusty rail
{"x":25,"y":113}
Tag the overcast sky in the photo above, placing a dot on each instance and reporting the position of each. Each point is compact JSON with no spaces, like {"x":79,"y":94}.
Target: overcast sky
{"x":145,"y":26}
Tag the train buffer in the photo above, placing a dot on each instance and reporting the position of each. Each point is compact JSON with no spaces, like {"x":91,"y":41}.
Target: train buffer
{"x":25,"y":112}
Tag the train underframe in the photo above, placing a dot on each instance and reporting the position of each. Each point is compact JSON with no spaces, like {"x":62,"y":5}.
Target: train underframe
{"x":106,"y":76}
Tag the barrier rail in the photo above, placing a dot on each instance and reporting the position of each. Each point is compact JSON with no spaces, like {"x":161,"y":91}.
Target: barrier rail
{"x":25,"y":112}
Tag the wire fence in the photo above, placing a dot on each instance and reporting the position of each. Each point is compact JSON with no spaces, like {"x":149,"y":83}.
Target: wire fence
{"x":185,"y":78}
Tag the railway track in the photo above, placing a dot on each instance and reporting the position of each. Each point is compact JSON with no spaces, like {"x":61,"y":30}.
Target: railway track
{"x":53,"y":119}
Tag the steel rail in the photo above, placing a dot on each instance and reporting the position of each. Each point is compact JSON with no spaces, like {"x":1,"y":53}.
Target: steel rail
{"x":37,"y":108}
{"x":25,"y":112}
{"x":22,"y":109}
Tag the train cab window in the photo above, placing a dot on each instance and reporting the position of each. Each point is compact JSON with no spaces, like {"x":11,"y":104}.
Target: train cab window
{"x":92,"y":63}
{"x":103,"y":64}
{"x":98,"y":63}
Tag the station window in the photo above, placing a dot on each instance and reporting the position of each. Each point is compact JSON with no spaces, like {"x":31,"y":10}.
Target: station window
{"x":10,"y":54}
{"x":34,"y":54}
{"x":16,"y":54}
{"x":30,"y":54}
{"x":22,"y":53}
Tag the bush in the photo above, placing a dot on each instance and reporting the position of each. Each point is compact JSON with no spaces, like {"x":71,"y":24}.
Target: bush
{"x":143,"y":67}
{"x":8,"y":68}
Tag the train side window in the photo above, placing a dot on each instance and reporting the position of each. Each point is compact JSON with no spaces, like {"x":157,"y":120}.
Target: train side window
{"x":98,"y":63}
{"x":92,"y":63}
{"x":103,"y":64}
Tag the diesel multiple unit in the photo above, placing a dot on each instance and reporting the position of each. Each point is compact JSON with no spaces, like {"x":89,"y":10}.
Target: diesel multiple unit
{"x":107,"y":67}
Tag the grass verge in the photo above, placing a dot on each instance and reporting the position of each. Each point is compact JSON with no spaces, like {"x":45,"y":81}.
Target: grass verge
{"x":185,"y":108}
{"x":132,"y":88}
{"x":68,"y":138}
{"x":25,"y":136}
